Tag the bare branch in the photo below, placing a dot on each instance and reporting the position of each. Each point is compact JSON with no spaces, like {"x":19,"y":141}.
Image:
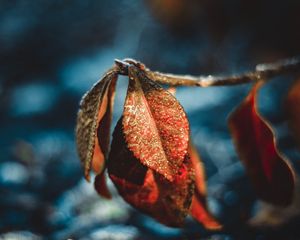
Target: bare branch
{"x":261,"y":72}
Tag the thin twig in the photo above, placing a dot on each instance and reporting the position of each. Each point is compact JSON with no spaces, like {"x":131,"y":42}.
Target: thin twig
{"x":261,"y":72}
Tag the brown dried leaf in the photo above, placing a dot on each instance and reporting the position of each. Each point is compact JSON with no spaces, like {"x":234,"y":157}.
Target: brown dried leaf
{"x":293,"y":110}
{"x":94,"y":117}
{"x":270,"y":173}
{"x":168,"y":202}
{"x":199,"y":209}
{"x":155,"y":125}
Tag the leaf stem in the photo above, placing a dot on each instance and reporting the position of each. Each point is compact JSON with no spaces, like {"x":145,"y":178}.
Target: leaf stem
{"x":262,"y":72}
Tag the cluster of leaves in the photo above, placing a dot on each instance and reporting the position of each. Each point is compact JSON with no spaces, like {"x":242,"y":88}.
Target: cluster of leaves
{"x":152,"y":161}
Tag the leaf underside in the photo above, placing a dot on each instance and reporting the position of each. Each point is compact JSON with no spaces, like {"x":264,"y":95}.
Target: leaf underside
{"x":93,"y":124}
{"x":166,"y":201}
{"x":271,"y":175}
{"x":155,"y":125}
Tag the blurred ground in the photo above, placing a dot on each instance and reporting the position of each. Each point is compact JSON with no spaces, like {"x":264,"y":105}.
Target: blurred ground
{"x":51,"y":52}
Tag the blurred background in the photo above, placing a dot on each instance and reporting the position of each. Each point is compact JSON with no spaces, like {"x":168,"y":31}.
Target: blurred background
{"x":52,"y":52}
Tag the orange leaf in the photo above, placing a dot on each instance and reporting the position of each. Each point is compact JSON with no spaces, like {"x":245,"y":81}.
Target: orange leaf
{"x":155,"y":125}
{"x":293,"y":110}
{"x":271,"y":175}
{"x":199,"y":209}
{"x":168,"y":202}
{"x":95,"y":115}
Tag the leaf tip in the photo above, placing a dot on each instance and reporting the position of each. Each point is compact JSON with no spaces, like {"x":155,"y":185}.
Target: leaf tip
{"x":101,"y":186}
{"x":87,"y":177}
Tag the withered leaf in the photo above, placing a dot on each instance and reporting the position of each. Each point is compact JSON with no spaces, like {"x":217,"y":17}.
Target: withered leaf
{"x":271,"y":175}
{"x":293,"y":110}
{"x":143,"y":188}
{"x":199,"y":209}
{"x":93,"y":123}
{"x":155,"y":125}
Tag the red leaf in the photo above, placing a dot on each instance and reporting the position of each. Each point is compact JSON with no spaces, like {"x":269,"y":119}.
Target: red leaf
{"x":270,"y":173}
{"x":100,"y":185}
{"x":293,"y":110}
{"x":155,"y":125}
{"x":95,"y":115}
{"x":168,"y":202}
{"x":199,"y":209}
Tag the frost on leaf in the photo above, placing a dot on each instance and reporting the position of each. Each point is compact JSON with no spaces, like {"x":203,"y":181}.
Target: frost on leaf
{"x":145,"y":189}
{"x":293,"y":110}
{"x":155,"y":125}
{"x":199,"y":209}
{"x":271,"y":175}
{"x":93,"y":123}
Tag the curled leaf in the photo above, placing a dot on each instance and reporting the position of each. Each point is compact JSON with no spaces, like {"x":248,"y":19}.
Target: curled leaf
{"x":168,"y":202}
{"x":270,"y":173}
{"x":155,"y":125}
{"x":199,"y":209}
{"x":293,"y":110}
{"x":93,"y":123}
